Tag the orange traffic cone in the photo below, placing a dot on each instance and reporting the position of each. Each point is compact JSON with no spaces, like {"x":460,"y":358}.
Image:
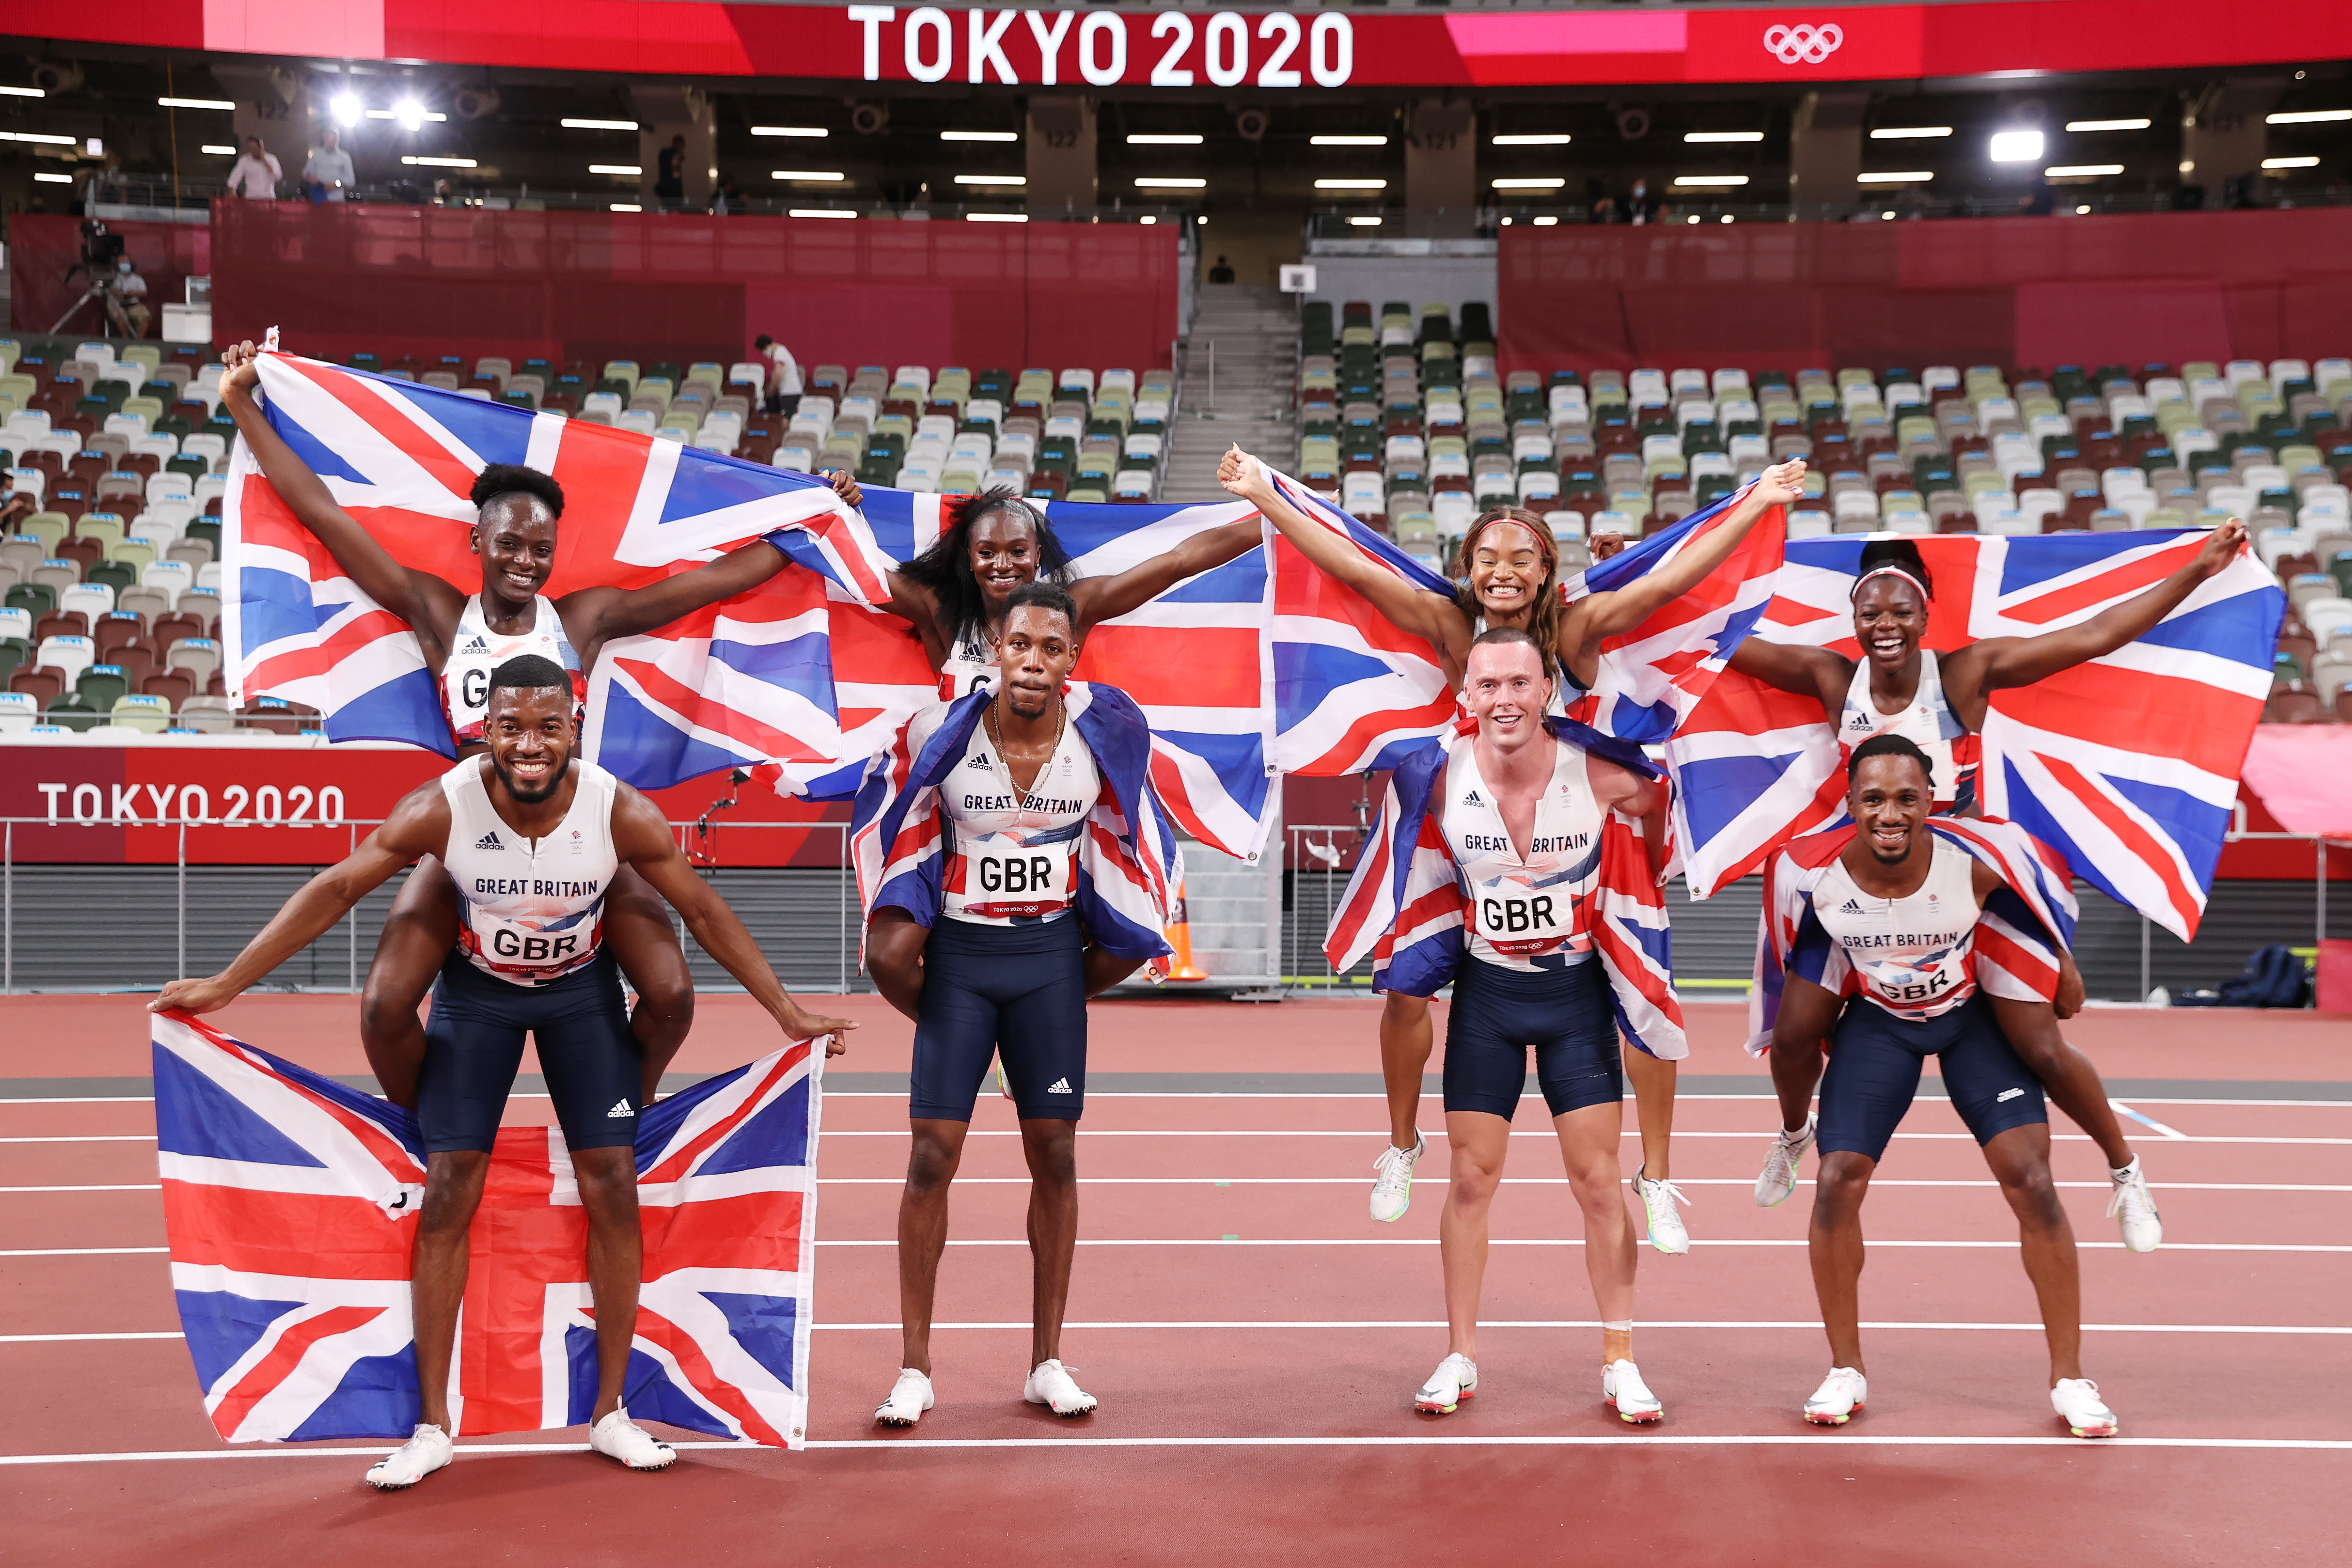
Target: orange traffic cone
{"x":1180,"y":937}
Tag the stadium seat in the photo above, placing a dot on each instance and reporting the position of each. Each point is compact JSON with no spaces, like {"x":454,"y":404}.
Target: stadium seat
{"x":208,"y":715}
{"x":147,"y":715}
{"x":199,"y":656}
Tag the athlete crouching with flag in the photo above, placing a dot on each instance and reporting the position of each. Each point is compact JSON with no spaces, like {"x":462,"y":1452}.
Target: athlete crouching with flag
{"x":1896,"y":939}
{"x":1512,"y":861}
{"x":533,"y":838}
{"x":1014,"y":862}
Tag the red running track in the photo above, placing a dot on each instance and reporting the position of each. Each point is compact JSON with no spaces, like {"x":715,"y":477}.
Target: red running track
{"x":1255,"y":1340}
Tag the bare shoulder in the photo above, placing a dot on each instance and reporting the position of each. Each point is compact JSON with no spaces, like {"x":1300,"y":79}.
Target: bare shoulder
{"x":1619,"y":787}
{"x":418,"y":821}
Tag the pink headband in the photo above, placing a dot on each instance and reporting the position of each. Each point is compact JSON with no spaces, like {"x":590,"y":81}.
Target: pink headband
{"x":1925,"y":597}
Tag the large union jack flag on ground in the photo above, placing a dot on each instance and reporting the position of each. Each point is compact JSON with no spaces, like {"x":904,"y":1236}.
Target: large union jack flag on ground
{"x":290,"y":1204}
{"x":2127,"y":766}
{"x":742,"y":683}
{"x":1351,"y":692}
{"x":1191,"y":658}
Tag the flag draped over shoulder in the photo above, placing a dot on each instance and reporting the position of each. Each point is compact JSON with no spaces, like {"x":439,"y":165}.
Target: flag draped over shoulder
{"x":742,"y":682}
{"x":1405,"y":903}
{"x":2126,"y":767}
{"x":1191,"y":658}
{"x":2025,"y":925}
{"x":290,"y":1204}
{"x":1352,"y":693}
{"x":1129,"y":861}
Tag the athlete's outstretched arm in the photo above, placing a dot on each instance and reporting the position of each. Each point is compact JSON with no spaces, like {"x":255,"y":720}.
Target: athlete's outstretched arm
{"x":1806,"y":671}
{"x":1103,"y":599}
{"x":642,"y":839}
{"x":1996,"y":662}
{"x":1411,"y":609}
{"x":627,"y":612}
{"x":418,"y":825}
{"x":421,"y":599}
{"x":1612,"y":611}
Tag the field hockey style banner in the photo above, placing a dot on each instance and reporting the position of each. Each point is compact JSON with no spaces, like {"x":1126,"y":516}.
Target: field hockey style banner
{"x":1261,"y":50}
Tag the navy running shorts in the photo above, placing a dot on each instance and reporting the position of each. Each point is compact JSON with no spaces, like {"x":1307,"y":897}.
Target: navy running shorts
{"x":1873,"y":1072}
{"x":473,"y":1048}
{"x":1498,"y":1012}
{"x":1017,"y":993}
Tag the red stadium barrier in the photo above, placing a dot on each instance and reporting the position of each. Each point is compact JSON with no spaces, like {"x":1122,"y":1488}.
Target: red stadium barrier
{"x":42,"y":246}
{"x":2127,"y":288}
{"x":593,"y":286}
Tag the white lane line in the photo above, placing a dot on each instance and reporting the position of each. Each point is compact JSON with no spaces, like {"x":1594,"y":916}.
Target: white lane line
{"x":2146,"y":1121}
{"x":82,"y":1251}
{"x":1546,"y":1133}
{"x":1227,"y":1325}
{"x":89,"y":1138}
{"x":1434,"y":1182}
{"x":900,"y":1096}
{"x":116,"y":1188}
{"x":1607,"y":1440}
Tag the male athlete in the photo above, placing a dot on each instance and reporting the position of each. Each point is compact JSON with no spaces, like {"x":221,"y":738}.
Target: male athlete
{"x":1524,"y":812}
{"x":533,"y":838}
{"x":1881,"y":964}
{"x":1013,"y":863}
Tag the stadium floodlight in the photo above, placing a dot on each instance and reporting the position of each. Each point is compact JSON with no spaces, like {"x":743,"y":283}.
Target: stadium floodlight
{"x":1531,"y":139}
{"x":598,"y":124}
{"x":980,"y":136}
{"x":1348,"y":141}
{"x":346,"y":109}
{"x":1723,"y":136}
{"x":1909,"y":132}
{"x":221,"y":103}
{"x":1530,"y":184}
{"x":1549,"y":220}
{"x":1363,"y":223}
{"x":435,"y":117}
{"x":47,"y":179}
{"x":43,"y":138}
{"x":820,"y":212}
{"x":625,"y":207}
{"x":2015,"y":147}
{"x":2308,"y":117}
{"x":820,"y":176}
{"x":2108,"y":124}
{"x":409,"y":113}
{"x":423,"y":162}
{"x":996,"y":217}
{"x":806,"y":131}
{"x":2290,"y":162}
{"x":1699,"y":180}
{"x":219,"y":152}
{"x":1168,"y":183}
{"x":22,"y":92}
{"x":2084,"y":171}
{"x":1165,"y":139}
{"x":1895,"y":177}
{"x":1351,"y":184}
{"x":632,"y":170}
{"x":990,"y":179}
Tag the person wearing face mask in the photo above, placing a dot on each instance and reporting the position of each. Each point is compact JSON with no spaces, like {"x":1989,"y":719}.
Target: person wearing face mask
{"x":1638,"y":205}
{"x":131,"y":296}
{"x":1013,"y":861}
{"x":1509,"y":567}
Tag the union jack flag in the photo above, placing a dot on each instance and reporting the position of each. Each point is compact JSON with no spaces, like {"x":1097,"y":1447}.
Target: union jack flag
{"x":2013,"y":952}
{"x":1405,"y":901}
{"x":290,"y":1203}
{"x":741,"y":683}
{"x":2126,"y":767}
{"x":1128,"y":859}
{"x":1191,"y":658}
{"x":1352,"y":693}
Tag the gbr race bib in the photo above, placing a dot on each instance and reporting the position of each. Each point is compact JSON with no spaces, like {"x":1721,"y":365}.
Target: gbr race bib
{"x":1521,"y":921}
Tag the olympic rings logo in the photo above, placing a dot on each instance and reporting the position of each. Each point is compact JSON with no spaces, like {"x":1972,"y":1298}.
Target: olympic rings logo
{"x":1803,"y":43}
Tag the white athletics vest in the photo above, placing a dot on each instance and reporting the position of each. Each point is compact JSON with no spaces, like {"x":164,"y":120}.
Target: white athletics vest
{"x":529,"y":910}
{"x":1014,"y":857}
{"x":1911,"y":954}
{"x":971,"y":660}
{"x":1541,"y":907}
{"x":1928,"y":723}
{"x":477,"y":650}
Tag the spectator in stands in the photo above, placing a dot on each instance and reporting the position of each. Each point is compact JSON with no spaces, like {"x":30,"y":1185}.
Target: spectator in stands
{"x":15,"y":507}
{"x":726,"y":198}
{"x":328,"y":171}
{"x":669,"y":175}
{"x":256,"y":173}
{"x":130,"y":292}
{"x":1599,"y":205}
{"x":105,"y":183}
{"x":1638,"y":205}
{"x":783,"y":377}
{"x":2039,"y":202}
{"x":1222,"y":272}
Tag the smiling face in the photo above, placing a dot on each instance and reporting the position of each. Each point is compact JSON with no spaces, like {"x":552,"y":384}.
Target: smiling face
{"x":1505,"y":691}
{"x":1507,"y":572}
{"x":1003,"y":555}
{"x":515,"y":536}
{"x":530,"y":733}
{"x":1889,"y":620}
{"x":1036,"y":651}
{"x":1889,"y":798}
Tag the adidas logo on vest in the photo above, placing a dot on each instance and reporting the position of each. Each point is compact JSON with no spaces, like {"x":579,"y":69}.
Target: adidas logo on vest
{"x":477,"y":646}
{"x":1850,"y":908}
{"x":489,"y":841}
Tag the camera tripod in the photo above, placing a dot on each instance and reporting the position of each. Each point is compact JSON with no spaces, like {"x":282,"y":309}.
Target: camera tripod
{"x":100,"y":288}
